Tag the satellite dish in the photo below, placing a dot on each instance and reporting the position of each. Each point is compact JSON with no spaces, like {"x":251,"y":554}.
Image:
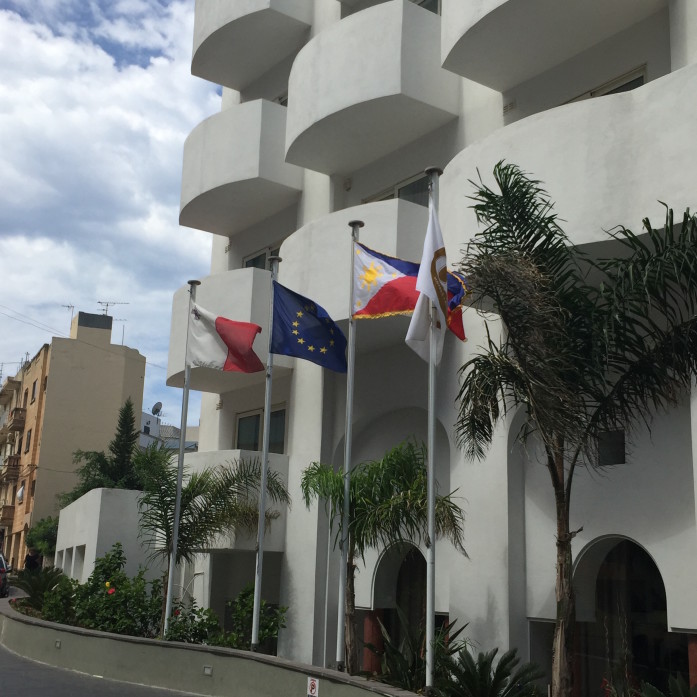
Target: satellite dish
{"x":157,"y":409}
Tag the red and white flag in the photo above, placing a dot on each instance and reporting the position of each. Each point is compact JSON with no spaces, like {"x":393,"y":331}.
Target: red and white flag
{"x":221,"y":343}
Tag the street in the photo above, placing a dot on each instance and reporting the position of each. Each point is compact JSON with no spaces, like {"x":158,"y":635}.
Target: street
{"x":20,"y":677}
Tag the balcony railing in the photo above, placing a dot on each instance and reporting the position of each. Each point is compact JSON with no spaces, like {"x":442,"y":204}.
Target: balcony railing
{"x":7,"y":513}
{"x":10,"y":469}
{"x":17,"y":419}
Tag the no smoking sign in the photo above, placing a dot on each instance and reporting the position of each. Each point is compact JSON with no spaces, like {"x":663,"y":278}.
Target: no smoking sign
{"x":312,"y":687}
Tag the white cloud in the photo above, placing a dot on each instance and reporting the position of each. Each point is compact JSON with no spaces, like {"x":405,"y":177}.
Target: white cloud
{"x":96,"y":99}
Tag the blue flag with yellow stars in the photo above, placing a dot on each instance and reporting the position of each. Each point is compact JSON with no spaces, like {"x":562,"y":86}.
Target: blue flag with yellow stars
{"x":303,"y":329}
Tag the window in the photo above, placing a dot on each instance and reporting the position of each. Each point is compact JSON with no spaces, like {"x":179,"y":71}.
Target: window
{"x":250,"y":427}
{"x":414,"y":189}
{"x":624,"y":83}
{"x":28,"y":442}
{"x":33,"y":390}
{"x":430,"y":5}
{"x":33,"y":487}
{"x":26,"y":398}
{"x":260,"y":259}
{"x":20,"y":493}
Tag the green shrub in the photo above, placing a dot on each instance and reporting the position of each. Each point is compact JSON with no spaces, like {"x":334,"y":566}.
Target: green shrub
{"x":239,"y":616}
{"x":481,"y":677}
{"x":110,"y":601}
{"x":403,"y":663}
{"x":59,"y":603}
{"x":193,"y":625}
{"x":36,"y":584}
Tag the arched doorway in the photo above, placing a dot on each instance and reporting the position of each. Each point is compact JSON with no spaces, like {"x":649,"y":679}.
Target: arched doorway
{"x":399,"y":587}
{"x":626,"y":641}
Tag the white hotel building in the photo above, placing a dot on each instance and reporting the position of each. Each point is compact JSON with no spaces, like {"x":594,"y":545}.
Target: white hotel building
{"x":330,"y":112}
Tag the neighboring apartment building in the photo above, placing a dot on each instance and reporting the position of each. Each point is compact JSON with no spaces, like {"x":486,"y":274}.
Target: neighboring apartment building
{"x":66,"y":398}
{"x":330,"y":112}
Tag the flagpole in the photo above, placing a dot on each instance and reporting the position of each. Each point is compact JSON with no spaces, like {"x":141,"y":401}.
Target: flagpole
{"x":180,"y":466}
{"x":355,"y":225}
{"x":434,"y":173}
{"x":261,"y":526}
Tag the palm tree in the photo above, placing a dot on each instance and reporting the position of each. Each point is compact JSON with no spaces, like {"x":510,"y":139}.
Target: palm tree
{"x":388,"y":504}
{"x":588,"y":346}
{"x":213,"y":501}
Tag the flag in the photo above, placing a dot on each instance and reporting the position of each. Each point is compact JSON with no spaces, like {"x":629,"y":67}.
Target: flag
{"x":303,"y":329}
{"x":221,"y":343}
{"x":383,"y":286}
{"x":432,"y":284}
{"x":386,"y":286}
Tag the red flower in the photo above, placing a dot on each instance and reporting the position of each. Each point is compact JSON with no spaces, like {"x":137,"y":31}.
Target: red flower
{"x":111,"y":591}
{"x":177,"y":613}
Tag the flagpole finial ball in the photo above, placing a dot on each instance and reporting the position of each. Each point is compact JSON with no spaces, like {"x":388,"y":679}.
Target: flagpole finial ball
{"x":430,"y":171}
{"x":194,"y":283}
{"x":356,"y":223}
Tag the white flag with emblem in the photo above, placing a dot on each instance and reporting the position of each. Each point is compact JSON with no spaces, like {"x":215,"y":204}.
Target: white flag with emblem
{"x":432,"y":284}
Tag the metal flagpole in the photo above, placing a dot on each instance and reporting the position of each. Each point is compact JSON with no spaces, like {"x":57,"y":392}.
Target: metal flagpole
{"x":180,"y":468}
{"x":355,"y":225}
{"x":264,"y":469}
{"x":434,"y":173}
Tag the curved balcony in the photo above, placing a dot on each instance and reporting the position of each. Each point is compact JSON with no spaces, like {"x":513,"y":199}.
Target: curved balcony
{"x":237,"y":42}
{"x":243,"y":539}
{"x":316,"y":259}
{"x":501,"y":43}
{"x":367,"y":86}
{"x":241,"y":295}
{"x":234,"y":172}
{"x":604,"y":161}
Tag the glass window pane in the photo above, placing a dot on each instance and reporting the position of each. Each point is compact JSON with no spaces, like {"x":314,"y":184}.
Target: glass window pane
{"x":257,"y":262}
{"x":277,"y":431}
{"x":416,"y":192}
{"x":248,"y":428}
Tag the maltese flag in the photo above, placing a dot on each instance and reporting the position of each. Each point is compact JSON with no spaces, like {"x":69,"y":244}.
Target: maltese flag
{"x":221,"y":343}
{"x":432,"y":284}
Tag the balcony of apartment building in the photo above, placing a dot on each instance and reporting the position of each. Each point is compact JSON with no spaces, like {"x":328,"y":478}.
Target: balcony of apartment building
{"x":489,"y":41}
{"x":16,"y":419}
{"x":10,"y":468}
{"x":234,"y":171}
{"x":604,"y":162}
{"x":316,"y":259}
{"x":242,"y":295}
{"x":366,"y":86}
{"x":8,"y":388}
{"x":235,"y":43}
{"x":7,"y":513}
{"x":241,"y":539}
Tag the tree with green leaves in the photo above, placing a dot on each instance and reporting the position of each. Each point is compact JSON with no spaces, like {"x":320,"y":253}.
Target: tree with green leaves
{"x":388,"y":504}
{"x":213,"y":501}
{"x":586,"y":345}
{"x":120,"y":468}
{"x":42,"y":537}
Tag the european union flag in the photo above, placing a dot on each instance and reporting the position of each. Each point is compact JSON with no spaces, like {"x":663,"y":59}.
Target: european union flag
{"x":303,"y":329}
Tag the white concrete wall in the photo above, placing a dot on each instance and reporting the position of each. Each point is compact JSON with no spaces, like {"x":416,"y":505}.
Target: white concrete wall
{"x":89,"y":527}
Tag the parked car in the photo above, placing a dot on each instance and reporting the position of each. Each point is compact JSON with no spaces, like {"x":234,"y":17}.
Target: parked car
{"x":5,"y":569}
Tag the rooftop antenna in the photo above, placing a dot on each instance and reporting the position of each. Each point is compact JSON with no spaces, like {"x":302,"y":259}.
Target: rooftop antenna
{"x":108,"y":303}
{"x":123,"y":328}
{"x":72,"y":310}
{"x":156,"y":409}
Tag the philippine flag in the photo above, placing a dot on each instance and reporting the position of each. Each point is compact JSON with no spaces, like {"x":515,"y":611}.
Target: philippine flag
{"x":221,"y":343}
{"x":386,"y":286}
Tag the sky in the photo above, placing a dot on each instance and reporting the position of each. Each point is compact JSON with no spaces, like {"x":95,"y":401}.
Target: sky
{"x":96,"y":100}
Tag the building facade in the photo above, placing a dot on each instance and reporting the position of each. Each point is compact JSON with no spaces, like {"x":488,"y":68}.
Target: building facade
{"x":330,"y":112}
{"x":66,"y":398}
